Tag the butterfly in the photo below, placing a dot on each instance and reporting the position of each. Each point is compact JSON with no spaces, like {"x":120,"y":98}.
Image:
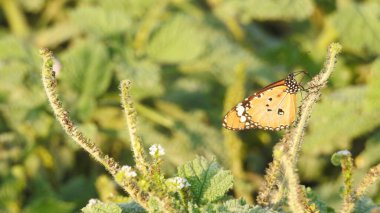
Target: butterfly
{"x":271,"y":108}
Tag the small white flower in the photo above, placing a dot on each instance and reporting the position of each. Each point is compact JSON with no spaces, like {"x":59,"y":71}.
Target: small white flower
{"x":128,"y":171}
{"x":156,"y":150}
{"x":180,"y":182}
{"x":56,"y":66}
{"x":344,"y":152}
{"x":93,"y":201}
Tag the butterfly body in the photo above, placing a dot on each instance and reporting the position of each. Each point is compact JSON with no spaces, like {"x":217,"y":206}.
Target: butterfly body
{"x":271,"y":108}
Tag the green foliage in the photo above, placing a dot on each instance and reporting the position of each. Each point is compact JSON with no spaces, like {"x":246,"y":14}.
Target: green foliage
{"x":366,"y":205}
{"x":88,"y":78}
{"x":109,"y":21}
{"x":360,"y":25}
{"x":208,"y":181}
{"x":178,"y":41}
{"x":180,"y":71}
{"x":238,"y":205}
{"x":321,"y":206}
{"x":99,"y":207}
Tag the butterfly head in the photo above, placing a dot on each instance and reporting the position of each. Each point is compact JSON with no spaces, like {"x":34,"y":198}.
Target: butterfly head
{"x":292,"y":84}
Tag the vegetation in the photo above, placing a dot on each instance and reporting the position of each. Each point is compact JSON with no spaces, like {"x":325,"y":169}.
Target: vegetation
{"x":189,"y":62}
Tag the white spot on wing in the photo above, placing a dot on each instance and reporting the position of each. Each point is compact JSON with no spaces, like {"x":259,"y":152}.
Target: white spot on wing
{"x":240,"y":109}
{"x":243,"y":119}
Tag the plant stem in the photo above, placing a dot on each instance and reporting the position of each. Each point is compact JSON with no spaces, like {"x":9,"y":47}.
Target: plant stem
{"x":130,"y":114}
{"x":314,"y":93}
{"x":296,"y":197}
{"x":50,"y":85}
{"x":292,"y":141}
{"x":371,"y":177}
{"x":348,"y":198}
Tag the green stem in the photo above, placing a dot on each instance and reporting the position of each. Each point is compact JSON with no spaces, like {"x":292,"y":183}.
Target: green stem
{"x":292,"y":141}
{"x":130,"y":114}
{"x":314,"y":93}
{"x":371,"y":177}
{"x":348,"y":198}
{"x":15,"y":17}
{"x":50,"y":85}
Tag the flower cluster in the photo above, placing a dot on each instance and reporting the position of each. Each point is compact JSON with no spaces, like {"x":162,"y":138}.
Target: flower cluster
{"x":156,"y":150}
{"x":128,"y":171}
{"x":93,"y":201}
{"x":179,"y":182}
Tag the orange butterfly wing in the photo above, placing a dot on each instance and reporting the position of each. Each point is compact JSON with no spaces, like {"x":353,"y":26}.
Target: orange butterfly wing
{"x":271,"y":108}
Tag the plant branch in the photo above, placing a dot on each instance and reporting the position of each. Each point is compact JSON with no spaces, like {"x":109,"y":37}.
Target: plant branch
{"x":371,"y":177}
{"x":348,"y":198}
{"x":130,"y":114}
{"x":50,"y":85}
{"x":296,"y":197}
{"x":291,"y":143}
{"x":315,"y":86}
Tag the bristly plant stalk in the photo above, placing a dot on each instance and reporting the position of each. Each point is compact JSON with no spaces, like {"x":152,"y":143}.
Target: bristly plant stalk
{"x":130,"y":114}
{"x":129,"y":184}
{"x":370,"y":178}
{"x":297,"y":200}
{"x":50,"y":85}
{"x":348,"y":198}
{"x":291,"y":143}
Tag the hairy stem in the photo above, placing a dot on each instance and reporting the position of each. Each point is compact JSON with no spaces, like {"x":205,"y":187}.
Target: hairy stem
{"x":50,"y":85}
{"x":348,"y":198}
{"x":314,"y":92}
{"x":130,"y":114}
{"x":296,"y":197}
{"x":292,"y":141}
{"x":371,"y":177}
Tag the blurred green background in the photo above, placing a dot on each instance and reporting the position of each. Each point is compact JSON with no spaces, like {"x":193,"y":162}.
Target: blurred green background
{"x":189,"y":61}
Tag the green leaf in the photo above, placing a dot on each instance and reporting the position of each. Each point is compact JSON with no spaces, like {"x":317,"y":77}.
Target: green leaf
{"x":209,"y":182}
{"x":358,"y":25}
{"x":239,"y":205}
{"x":49,"y":204}
{"x":99,"y":21}
{"x":179,"y":40}
{"x":78,"y":189}
{"x":223,"y":55}
{"x":131,"y":207}
{"x":145,"y":76}
{"x":232,"y":206}
{"x":366,"y":205}
{"x":274,"y":9}
{"x":341,"y":116}
{"x":369,"y":156}
{"x":86,"y":70}
{"x":100,"y":207}
{"x":321,"y":206}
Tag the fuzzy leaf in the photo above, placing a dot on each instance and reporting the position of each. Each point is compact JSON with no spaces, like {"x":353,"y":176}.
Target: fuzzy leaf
{"x":366,"y":205}
{"x":239,"y":205}
{"x":317,"y":201}
{"x":275,"y":10}
{"x":179,"y":40}
{"x":358,"y":25}
{"x":87,"y":70}
{"x":145,"y":75}
{"x":131,"y":207}
{"x":100,"y":207}
{"x":370,"y":155}
{"x":338,"y":110}
{"x":99,"y":21}
{"x":232,"y":206}
{"x":209,"y":182}
{"x":49,"y":204}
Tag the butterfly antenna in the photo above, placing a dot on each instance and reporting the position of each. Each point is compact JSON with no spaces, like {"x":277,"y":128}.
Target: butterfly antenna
{"x":302,"y":72}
